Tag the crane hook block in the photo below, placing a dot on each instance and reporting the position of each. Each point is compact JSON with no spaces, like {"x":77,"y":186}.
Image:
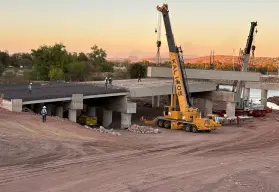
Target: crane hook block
{"x":159,"y":44}
{"x":253,"y":47}
{"x":155,"y":30}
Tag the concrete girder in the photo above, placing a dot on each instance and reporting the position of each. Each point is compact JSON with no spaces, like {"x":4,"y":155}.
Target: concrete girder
{"x":205,"y":74}
{"x":168,"y":89}
{"x":265,"y":86}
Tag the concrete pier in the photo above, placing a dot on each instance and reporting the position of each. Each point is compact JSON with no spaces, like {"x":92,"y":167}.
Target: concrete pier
{"x":264,"y":97}
{"x":208,"y":105}
{"x":246,"y":93}
{"x":126,"y":120}
{"x":59,"y":111}
{"x":49,"y":108}
{"x":230,"y":109}
{"x":72,"y":115}
{"x":91,"y":111}
{"x":156,"y":101}
{"x":107,"y":117}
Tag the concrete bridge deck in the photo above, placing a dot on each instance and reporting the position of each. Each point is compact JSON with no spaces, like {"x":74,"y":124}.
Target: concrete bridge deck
{"x":43,"y":93}
{"x":156,"y":86}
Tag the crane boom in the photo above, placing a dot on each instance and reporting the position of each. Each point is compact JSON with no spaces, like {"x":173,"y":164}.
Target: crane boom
{"x":186,"y":117}
{"x":245,"y":61}
{"x":176,"y":63}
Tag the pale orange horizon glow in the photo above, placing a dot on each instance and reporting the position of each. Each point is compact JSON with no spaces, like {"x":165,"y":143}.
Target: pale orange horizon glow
{"x":126,"y":28}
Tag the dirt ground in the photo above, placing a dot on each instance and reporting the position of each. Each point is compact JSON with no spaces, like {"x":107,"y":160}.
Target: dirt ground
{"x":62,"y":156}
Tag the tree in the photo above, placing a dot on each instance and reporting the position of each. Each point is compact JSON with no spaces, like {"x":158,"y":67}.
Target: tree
{"x":2,"y":68}
{"x":4,"y":58}
{"x":138,"y":68}
{"x":56,"y":73}
{"x":97,"y":56}
{"x":46,"y":57}
{"x":79,"y":71}
{"x":82,"y":57}
{"x":106,"y":67}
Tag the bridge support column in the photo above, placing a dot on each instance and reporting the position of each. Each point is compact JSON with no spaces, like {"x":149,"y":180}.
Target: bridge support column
{"x":33,"y":107}
{"x":59,"y":111}
{"x":153,"y":101}
{"x":169,"y":100}
{"x":230,"y":110}
{"x":49,"y":108}
{"x":208,"y":105}
{"x":158,"y":101}
{"x":264,"y":97}
{"x":107,"y":117}
{"x":72,"y":115}
{"x":91,"y":111}
{"x":75,"y":104}
{"x":247,"y":94}
{"x":126,"y":120}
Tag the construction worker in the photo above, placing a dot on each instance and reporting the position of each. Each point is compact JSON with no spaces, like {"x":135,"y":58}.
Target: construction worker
{"x":106,"y":82}
{"x":139,"y":77}
{"x":44,"y":113}
{"x":30,"y":88}
{"x":237,"y":120}
{"x":110,"y":80}
{"x":141,"y":120}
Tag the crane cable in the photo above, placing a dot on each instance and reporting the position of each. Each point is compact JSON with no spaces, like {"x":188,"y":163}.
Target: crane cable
{"x":158,"y":43}
{"x":254,"y":47}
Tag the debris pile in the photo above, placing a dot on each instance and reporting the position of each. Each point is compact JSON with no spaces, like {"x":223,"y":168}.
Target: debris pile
{"x":101,"y":129}
{"x":143,"y":129}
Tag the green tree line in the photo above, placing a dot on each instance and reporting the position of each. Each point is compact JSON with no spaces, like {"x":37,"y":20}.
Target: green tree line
{"x":56,"y":63}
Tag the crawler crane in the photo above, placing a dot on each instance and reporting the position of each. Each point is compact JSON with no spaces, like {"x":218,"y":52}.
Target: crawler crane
{"x":184,"y":116}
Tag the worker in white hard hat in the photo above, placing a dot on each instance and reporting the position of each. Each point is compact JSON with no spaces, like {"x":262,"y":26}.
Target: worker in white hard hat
{"x":44,"y":113}
{"x":106,"y":82}
{"x":30,"y":88}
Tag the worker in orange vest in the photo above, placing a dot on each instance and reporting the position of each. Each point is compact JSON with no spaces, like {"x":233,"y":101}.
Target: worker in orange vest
{"x":237,"y":120}
{"x":141,"y":120}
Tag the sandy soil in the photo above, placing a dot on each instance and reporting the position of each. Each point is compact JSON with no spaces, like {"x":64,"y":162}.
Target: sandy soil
{"x":62,"y":156}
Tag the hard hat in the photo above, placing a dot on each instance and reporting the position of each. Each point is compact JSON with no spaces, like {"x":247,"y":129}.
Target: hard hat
{"x":44,"y":107}
{"x":30,"y":83}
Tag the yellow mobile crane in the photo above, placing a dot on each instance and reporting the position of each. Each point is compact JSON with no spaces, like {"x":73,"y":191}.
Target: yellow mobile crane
{"x":186,"y":117}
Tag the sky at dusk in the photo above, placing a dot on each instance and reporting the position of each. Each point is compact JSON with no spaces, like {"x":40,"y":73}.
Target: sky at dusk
{"x":126,"y":27}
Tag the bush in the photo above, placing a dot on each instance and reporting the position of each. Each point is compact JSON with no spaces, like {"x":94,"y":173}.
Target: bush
{"x":56,"y":74}
{"x":2,"y":68}
{"x":107,"y":67}
{"x":135,"y":69}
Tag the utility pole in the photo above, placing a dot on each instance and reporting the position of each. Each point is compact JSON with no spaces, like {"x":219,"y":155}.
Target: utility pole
{"x":233,"y":60}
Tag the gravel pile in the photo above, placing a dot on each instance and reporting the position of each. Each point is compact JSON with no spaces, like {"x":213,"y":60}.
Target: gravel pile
{"x":101,"y":129}
{"x":143,"y":129}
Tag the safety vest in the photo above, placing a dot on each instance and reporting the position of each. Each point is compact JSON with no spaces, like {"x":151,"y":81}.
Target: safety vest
{"x":44,"y":112}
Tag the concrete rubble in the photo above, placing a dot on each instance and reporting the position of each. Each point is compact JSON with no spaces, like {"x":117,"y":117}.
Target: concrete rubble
{"x":143,"y":129}
{"x":101,"y":129}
